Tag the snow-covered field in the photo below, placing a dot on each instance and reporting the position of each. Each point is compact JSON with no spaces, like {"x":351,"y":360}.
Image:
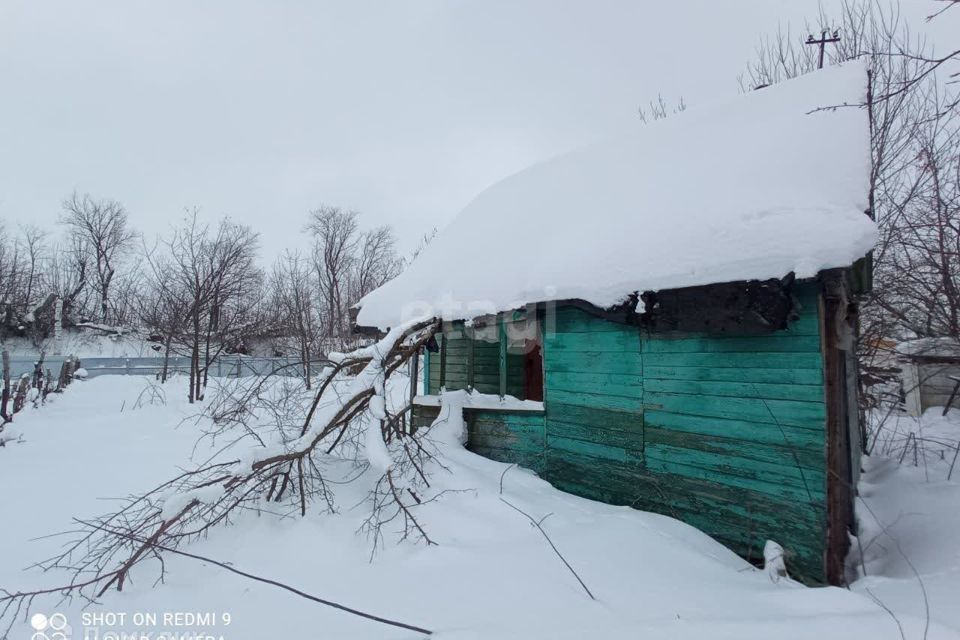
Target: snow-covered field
{"x":491,"y":575}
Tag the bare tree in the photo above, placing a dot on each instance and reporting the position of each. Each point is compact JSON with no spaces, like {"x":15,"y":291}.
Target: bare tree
{"x":913,"y":143}
{"x":335,"y":242}
{"x":90,"y":278}
{"x":206,"y":282}
{"x":918,"y":276}
{"x":27,"y":300}
{"x":348,"y":264}
{"x":11,"y":281}
{"x":68,"y":277}
{"x":294,"y":302}
{"x":34,"y":239}
{"x":100,"y":227}
{"x":376,"y":263}
{"x":164,"y":306}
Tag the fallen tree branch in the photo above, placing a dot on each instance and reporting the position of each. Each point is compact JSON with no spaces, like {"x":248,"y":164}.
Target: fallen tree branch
{"x":275,"y":583}
{"x":539,"y":525}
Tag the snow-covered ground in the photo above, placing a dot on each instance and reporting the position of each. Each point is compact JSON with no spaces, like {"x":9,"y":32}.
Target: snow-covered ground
{"x":929,"y":441}
{"x":492,"y":575}
{"x":910,"y":516}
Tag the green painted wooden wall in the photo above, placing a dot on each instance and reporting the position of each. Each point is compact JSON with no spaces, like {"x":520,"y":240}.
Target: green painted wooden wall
{"x":725,"y":433}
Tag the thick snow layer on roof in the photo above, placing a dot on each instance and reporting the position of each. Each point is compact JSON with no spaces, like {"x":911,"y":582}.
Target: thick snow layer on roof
{"x":766,"y":184}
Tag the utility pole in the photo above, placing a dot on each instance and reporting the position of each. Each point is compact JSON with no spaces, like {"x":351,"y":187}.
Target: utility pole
{"x":823,"y":41}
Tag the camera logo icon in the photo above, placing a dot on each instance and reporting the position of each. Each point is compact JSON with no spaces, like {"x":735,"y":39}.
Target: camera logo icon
{"x":52,"y":627}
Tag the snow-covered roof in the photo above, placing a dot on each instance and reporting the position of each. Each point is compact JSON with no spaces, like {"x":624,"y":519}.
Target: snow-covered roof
{"x":769,"y":183}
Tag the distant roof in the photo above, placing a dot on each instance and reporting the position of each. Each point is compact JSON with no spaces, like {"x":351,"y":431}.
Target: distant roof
{"x":938,"y":347}
{"x":772,"y":182}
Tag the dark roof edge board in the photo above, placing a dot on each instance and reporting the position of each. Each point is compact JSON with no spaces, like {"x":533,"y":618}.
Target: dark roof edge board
{"x":741,"y":307}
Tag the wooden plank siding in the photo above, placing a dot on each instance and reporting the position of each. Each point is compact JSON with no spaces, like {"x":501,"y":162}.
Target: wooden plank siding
{"x":725,"y":433}
{"x":744,"y":415}
{"x":508,"y":437}
{"x":594,"y":407}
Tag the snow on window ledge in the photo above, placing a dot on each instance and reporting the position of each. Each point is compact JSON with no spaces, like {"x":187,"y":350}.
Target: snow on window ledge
{"x":484,"y":401}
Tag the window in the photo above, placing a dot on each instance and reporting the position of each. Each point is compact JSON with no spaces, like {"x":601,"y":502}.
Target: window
{"x":497,"y":356}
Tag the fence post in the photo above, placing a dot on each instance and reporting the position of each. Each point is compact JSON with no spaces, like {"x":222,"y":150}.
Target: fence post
{"x":414,"y":375}
{"x":5,"y":392}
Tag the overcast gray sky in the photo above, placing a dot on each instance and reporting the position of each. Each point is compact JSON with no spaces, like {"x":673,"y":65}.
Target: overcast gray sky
{"x":401,"y":110}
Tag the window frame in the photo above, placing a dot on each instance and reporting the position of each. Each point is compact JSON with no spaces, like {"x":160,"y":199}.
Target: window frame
{"x":451,"y":327}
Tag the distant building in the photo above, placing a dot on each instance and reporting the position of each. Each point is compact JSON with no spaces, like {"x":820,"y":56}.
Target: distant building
{"x":930,"y":371}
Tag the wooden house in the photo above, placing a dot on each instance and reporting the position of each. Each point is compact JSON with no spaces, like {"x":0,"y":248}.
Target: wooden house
{"x":930,"y":374}
{"x":665,"y":320}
